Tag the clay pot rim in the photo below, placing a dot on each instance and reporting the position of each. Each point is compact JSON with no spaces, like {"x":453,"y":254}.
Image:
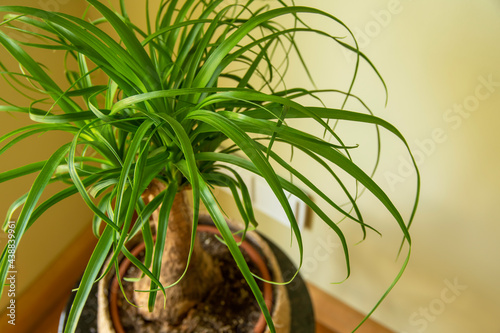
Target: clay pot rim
{"x":251,"y":251}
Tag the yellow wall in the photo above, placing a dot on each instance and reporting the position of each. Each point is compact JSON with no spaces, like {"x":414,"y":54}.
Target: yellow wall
{"x":55,"y":230}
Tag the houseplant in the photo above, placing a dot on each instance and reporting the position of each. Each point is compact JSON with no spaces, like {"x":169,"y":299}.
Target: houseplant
{"x":156,"y":108}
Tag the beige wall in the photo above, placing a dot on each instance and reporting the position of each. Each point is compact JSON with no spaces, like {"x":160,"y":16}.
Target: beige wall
{"x":435,"y":57}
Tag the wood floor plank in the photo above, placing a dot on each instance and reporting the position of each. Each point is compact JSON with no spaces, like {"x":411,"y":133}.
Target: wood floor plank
{"x":338,"y":317}
{"x":322,"y":329}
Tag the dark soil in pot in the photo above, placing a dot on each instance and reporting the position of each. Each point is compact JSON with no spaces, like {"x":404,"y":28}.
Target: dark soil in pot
{"x":230,"y":307}
{"x":302,"y":315}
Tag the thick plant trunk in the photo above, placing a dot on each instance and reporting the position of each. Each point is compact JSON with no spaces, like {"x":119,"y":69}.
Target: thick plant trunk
{"x":200,"y":278}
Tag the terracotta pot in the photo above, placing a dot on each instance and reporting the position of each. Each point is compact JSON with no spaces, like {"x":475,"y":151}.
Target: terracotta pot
{"x":276,"y":297}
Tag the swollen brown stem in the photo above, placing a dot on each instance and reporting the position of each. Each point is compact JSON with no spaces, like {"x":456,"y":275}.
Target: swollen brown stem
{"x":202,"y":273}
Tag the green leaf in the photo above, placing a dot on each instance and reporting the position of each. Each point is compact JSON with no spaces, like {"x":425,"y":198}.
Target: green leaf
{"x":34,"y":195}
{"x":131,"y":42}
{"x":36,"y":70}
{"x":161,"y":235}
{"x":94,"y":265}
{"x":248,"y":146}
{"x":288,"y":186}
{"x":13,"y":207}
{"x":21,"y":171}
{"x":123,"y":223}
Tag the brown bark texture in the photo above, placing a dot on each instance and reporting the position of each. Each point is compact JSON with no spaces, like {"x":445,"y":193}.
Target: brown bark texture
{"x":201,"y":276}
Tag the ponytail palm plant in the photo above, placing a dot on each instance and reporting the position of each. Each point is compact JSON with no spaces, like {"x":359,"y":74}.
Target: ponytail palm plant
{"x":178,"y":105}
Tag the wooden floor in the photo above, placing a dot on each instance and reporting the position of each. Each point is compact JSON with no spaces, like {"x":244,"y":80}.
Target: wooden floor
{"x":322,"y":329}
